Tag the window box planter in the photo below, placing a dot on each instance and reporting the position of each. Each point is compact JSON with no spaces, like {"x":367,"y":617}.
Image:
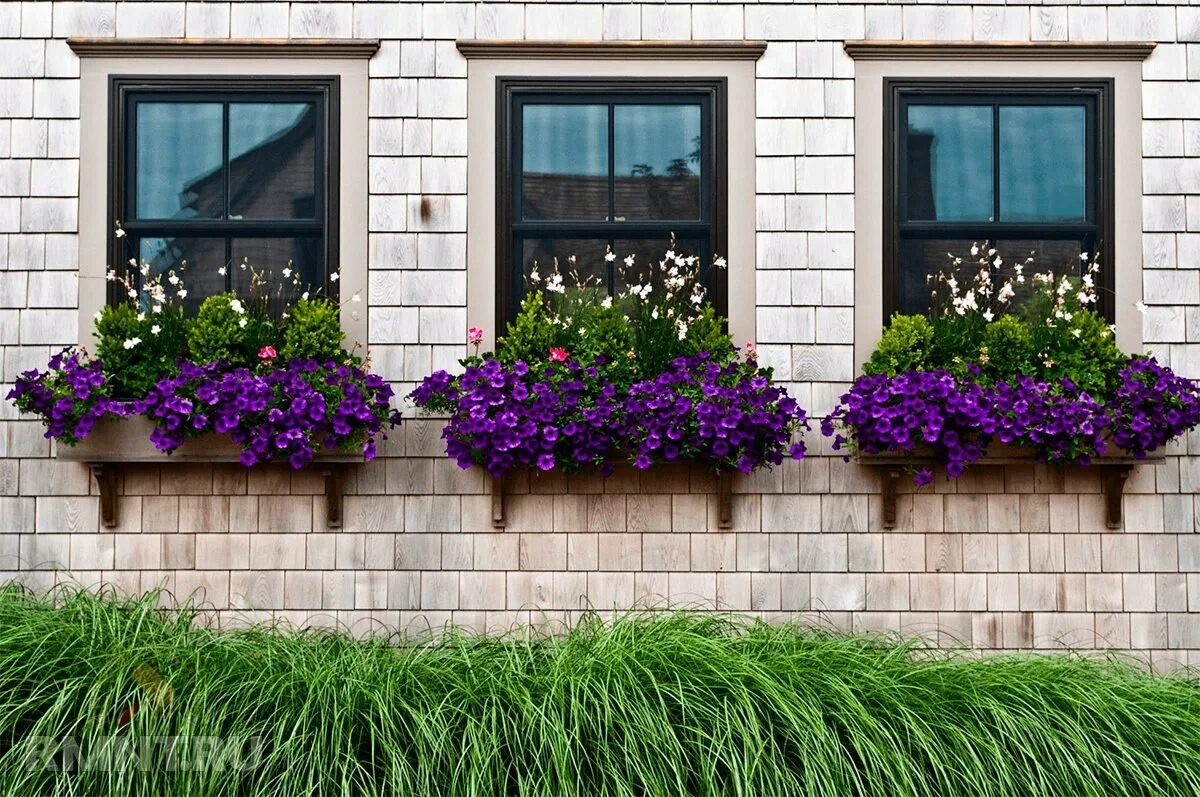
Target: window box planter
{"x":116,"y":442}
{"x":1114,"y":467}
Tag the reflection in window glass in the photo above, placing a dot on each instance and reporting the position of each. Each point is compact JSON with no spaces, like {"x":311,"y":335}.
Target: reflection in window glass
{"x":179,"y":160}
{"x":564,"y":162}
{"x":656,"y":161}
{"x":1042,"y":156}
{"x":272,"y":160}
{"x":949,"y":163}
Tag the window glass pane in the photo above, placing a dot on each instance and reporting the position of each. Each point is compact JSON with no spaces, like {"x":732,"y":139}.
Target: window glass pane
{"x":270,"y":257}
{"x":272,"y":160}
{"x":648,"y":254}
{"x":1042,"y":156}
{"x":949,"y":163}
{"x":195,"y":260}
{"x":589,"y":267}
{"x":564,"y":162}
{"x":920,"y":258}
{"x":656,"y":162}
{"x":179,"y":173}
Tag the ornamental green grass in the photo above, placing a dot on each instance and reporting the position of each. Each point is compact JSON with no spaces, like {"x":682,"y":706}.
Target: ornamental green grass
{"x":671,"y":705}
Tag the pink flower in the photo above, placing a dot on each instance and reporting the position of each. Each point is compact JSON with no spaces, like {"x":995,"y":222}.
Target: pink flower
{"x":267,"y":353}
{"x":557,"y":355}
{"x":474,"y":336}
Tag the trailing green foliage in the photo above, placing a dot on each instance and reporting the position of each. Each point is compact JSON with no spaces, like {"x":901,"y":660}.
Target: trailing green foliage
{"x":313,"y":331}
{"x":673,"y":705}
{"x":904,"y":346}
{"x":139,"y":348}
{"x":1083,"y":350}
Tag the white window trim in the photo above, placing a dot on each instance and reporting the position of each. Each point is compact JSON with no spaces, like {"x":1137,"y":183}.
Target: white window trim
{"x":734,"y":61}
{"x":878,"y":60}
{"x":100,"y":60}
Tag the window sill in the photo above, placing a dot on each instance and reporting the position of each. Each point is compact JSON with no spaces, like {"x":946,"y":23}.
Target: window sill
{"x":1114,"y":467}
{"x":115,"y":443}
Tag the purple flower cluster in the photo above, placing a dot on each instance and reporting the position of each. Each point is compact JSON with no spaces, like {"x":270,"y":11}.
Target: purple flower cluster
{"x":70,"y":396}
{"x":511,"y":415}
{"x":276,"y":412}
{"x":565,"y":415}
{"x":927,"y":409}
{"x":1151,"y":407}
{"x":724,"y":416}
{"x":955,"y":420}
{"x":1062,"y":423}
{"x":279,"y":412}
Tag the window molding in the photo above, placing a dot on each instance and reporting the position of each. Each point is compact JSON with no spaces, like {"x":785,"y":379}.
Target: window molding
{"x":713,"y":198}
{"x":878,"y":50}
{"x":96,"y":220}
{"x":1124,"y":258}
{"x":101,"y":47}
{"x":482,"y":76}
{"x":618,"y":49}
{"x":1099,"y":89}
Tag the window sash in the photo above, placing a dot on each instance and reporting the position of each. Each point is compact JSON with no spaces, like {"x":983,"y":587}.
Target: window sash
{"x":611,"y":101}
{"x":127,"y":91}
{"x":514,"y":93}
{"x":997,"y":101}
{"x":1093,"y":232}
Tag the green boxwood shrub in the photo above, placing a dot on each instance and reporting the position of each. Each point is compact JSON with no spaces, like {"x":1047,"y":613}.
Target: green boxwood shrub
{"x":1007,"y":348}
{"x":313,"y":331}
{"x":906,"y":345}
{"x":225,"y":329}
{"x":530,"y":335}
{"x":133,"y":367}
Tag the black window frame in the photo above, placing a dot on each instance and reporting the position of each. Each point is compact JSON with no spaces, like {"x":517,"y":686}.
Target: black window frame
{"x":1096,"y":233}
{"x":125,"y":90}
{"x":513,"y":92}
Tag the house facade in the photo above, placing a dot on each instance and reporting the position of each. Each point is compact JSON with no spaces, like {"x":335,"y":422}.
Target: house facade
{"x":430,"y":153}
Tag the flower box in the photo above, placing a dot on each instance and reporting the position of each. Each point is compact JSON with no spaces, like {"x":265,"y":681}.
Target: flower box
{"x":1114,"y":465}
{"x":115,"y":442}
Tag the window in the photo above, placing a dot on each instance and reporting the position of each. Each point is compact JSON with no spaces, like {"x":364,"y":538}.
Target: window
{"x":221,"y":171}
{"x":583,"y":165}
{"x":1026,"y":166}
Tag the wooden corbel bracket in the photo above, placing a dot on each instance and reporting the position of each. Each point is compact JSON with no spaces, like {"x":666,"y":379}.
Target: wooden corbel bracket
{"x":107,"y":475}
{"x":1113,"y":477}
{"x":1112,"y":483}
{"x":724,"y":501}
{"x":498,"y":517}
